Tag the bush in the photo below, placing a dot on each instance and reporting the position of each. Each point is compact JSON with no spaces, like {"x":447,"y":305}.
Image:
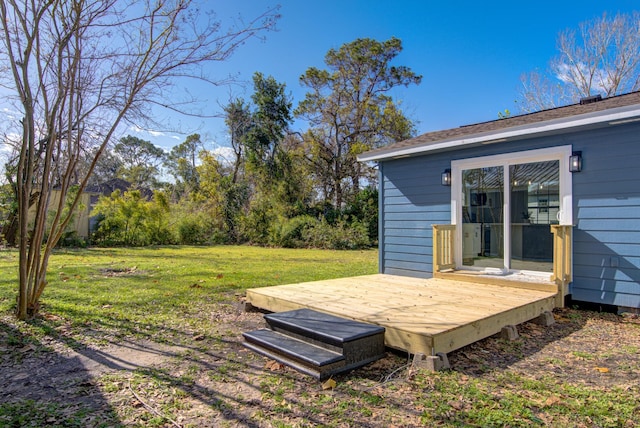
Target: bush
{"x":131,"y":220}
{"x":293,"y":232}
{"x":199,"y":229}
{"x":341,"y":236}
{"x":364,"y":208}
{"x":255,"y":226}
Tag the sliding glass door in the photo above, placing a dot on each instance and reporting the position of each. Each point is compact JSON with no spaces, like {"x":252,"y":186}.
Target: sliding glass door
{"x":505,"y":206}
{"x":482,"y":217}
{"x":535,"y":203}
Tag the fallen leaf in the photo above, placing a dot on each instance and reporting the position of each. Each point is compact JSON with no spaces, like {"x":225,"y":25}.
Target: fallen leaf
{"x":602,"y":369}
{"x":458,"y":405}
{"x":27,"y":348}
{"x":552,"y":400}
{"x":329,"y":384}
{"x":273,"y":365}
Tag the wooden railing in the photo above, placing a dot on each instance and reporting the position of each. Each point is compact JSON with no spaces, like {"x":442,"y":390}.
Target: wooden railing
{"x":443,"y":247}
{"x":562,"y":270}
{"x":444,"y":255}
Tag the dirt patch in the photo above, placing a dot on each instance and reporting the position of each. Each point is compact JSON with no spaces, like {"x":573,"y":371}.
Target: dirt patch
{"x":209,"y":379}
{"x":111,"y":272}
{"x":36,"y":374}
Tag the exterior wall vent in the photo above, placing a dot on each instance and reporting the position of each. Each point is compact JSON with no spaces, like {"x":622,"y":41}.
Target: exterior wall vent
{"x":591,"y":99}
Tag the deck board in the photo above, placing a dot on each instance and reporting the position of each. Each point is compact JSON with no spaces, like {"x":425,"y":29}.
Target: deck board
{"x":420,"y":315}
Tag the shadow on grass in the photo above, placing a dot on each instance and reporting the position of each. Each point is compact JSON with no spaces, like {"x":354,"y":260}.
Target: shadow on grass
{"x":497,"y":353}
{"x":206,"y":378}
{"x":40,"y":387}
{"x":152,"y":373}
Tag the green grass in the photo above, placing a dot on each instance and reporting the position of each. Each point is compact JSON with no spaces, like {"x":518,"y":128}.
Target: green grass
{"x":173,"y":294}
{"x":507,"y":399}
{"x":155,"y":291}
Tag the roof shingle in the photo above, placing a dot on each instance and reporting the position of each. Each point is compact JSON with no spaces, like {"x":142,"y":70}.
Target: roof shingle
{"x":630,"y":99}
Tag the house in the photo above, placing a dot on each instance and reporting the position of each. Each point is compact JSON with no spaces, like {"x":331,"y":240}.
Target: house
{"x":504,"y":185}
{"x":83,"y":223}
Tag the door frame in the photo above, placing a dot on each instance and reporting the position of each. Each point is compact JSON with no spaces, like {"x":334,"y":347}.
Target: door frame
{"x":565,"y":215}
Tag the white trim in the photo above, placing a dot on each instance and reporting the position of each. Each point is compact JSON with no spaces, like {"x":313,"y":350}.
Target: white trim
{"x":606,"y":117}
{"x":560,"y":153}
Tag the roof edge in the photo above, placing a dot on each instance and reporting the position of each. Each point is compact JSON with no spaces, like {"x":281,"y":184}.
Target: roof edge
{"x":614,"y":116}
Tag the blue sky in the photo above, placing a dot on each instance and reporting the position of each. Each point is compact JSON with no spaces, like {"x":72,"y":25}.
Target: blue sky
{"x":471,"y":53}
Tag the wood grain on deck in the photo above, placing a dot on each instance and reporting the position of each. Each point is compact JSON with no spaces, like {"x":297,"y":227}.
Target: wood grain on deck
{"x":420,"y":315}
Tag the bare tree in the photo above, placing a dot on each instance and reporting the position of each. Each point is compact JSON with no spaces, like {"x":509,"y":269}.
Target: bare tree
{"x":80,"y":70}
{"x":602,"y":57}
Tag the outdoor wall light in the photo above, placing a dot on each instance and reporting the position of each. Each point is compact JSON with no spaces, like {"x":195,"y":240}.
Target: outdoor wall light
{"x":575,"y":162}
{"x":446,"y":177}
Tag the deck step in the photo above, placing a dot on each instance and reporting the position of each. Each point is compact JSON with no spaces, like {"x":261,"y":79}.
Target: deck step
{"x":320,"y":327}
{"x":316,"y":343}
{"x":303,"y":356}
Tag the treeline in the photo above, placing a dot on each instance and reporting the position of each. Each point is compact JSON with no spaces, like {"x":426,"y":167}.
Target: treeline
{"x":131,"y":220}
{"x":276,"y":186}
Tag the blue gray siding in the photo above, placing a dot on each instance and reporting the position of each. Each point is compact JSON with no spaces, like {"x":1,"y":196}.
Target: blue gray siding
{"x":606,"y":195}
{"x":606,"y":209}
{"x":413,"y":200}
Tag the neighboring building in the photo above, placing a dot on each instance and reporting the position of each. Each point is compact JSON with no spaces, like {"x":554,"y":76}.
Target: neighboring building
{"x":506,"y":181}
{"x":83,"y":223}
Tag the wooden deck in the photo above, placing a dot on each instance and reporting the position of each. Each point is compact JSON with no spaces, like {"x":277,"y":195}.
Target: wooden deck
{"x":420,"y":315}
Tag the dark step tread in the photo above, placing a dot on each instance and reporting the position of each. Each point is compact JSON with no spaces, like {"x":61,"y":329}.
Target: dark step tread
{"x":320,"y":373}
{"x":293,"y":348}
{"x":322,"y":327}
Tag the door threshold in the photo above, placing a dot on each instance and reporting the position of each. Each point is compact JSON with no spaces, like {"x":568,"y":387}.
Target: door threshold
{"x":536,"y":281}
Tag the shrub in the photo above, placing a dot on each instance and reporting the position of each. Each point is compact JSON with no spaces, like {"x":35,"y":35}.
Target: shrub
{"x":293,"y":232}
{"x":341,"y":236}
{"x":199,"y":229}
{"x":129,"y":219}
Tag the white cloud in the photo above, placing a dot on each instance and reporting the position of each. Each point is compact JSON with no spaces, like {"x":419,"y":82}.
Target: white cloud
{"x":570,"y":74}
{"x":156,"y":133}
{"x":11,"y":114}
{"x":225,"y":155}
{"x":153,"y":133}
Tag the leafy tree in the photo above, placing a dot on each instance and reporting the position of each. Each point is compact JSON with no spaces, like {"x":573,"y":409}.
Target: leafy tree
{"x":237,"y":117}
{"x":78,"y":70}
{"x":602,"y":57}
{"x":131,"y":220}
{"x":139,"y":161}
{"x":235,"y":199}
{"x":182,"y":163}
{"x":105,"y":169}
{"x":267,"y":181}
{"x":350,"y":111}
{"x":364,"y":209}
{"x":270,"y":124}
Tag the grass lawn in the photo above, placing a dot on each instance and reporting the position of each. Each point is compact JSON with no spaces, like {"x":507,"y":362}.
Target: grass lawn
{"x":182,"y":304}
{"x":150,"y":291}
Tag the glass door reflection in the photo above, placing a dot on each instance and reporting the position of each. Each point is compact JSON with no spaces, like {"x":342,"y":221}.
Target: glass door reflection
{"x":482,"y":217}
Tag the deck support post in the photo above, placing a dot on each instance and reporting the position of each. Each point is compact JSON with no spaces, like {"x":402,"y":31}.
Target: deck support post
{"x":432,"y":363}
{"x":509,"y":332}
{"x":246,"y":306}
{"x":545,"y":319}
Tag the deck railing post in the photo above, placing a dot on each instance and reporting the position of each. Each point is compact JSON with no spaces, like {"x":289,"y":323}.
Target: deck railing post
{"x":562,"y":269}
{"x":443,"y":247}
